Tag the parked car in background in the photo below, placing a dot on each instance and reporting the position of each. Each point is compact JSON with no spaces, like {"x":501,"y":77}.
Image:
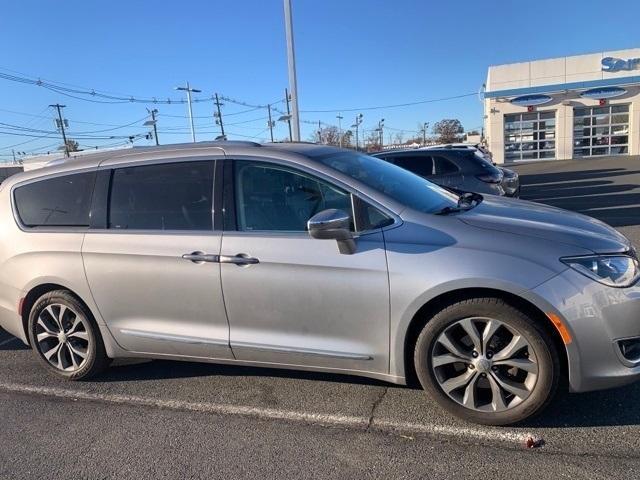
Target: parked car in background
{"x":510,"y":179}
{"x":458,"y":168}
{"x":317,"y":258}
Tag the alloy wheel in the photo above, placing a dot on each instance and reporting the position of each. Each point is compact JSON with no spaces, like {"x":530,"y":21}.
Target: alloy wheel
{"x":62,"y":337}
{"x":484,"y":364}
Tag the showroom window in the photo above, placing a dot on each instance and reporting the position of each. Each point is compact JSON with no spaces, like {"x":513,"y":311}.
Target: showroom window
{"x":601,"y":131}
{"x":530,"y":136}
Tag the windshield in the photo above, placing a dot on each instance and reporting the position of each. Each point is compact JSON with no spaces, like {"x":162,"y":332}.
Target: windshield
{"x":397,"y":183}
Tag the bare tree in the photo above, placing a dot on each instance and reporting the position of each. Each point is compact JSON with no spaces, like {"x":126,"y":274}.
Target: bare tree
{"x":448,"y":130}
{"x":372,"y":141}
{"x":330,"y":135}
{"x":72,"y":146}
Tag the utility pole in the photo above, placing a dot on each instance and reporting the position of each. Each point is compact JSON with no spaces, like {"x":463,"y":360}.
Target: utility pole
{"x":356,"y":125}
{"x":13,"y":152}
{"x":189,"y":90}
{"x":153,"y":122}
{"x":291,"y":63}
{"x":219,"y":116}
{"x":340,"y":117}
{"x":319,"y":131}
{"x":286,"y":96}
{"x":271,"y":123}
{"x":61,"y":125}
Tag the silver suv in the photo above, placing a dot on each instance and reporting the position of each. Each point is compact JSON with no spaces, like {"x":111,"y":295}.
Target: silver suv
{"x":310,"y":257}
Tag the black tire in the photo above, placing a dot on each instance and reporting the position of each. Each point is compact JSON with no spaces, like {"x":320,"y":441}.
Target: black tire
{"x":542,"y":343}
{"x":96,"y":359}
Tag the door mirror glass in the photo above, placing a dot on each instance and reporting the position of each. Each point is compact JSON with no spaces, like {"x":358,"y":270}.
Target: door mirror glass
{"x":333,"y":224}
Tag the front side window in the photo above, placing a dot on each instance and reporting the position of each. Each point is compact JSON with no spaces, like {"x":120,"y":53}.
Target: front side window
{"x":270,"y":197}
{"x":62,"y":201}
{"x":171,"y":196}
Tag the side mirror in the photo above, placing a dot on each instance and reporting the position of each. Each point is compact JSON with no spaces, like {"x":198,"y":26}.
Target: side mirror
{"x":333,"y":224}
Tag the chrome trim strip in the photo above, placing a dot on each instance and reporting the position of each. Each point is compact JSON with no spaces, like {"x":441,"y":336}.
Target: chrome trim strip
{"x":173,"y":338}
{"x":302,"y":351}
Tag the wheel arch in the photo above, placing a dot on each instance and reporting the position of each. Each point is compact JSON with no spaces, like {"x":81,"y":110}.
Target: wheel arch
{"x":437,"y":303}
{"x":38,"y":291}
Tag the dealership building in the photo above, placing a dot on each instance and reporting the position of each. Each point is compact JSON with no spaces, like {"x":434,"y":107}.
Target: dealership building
{"x":562,"y":108}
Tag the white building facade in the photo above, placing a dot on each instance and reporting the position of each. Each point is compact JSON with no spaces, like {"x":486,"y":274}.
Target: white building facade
{"x":562,"y":108}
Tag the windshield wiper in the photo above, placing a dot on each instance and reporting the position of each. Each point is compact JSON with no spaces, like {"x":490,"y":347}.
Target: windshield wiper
{"x":466,"y":201}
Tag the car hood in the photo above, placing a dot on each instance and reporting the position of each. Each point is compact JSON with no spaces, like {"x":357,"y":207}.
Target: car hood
{"x":550,"y":223}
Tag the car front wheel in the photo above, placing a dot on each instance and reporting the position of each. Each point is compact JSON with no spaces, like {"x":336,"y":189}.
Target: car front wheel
{"x":487,"y":362}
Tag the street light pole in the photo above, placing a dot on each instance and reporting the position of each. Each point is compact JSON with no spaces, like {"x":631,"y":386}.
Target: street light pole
{"x":381,"y":132}
{"x":291,"y":62}
{"x":425,"y":125}
{"x":356,"y":125}
{"x":340,"y":117}
{"x":188,"y":89}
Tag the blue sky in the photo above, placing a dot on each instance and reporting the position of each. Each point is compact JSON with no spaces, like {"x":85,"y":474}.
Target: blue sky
{"x":351,"y":54}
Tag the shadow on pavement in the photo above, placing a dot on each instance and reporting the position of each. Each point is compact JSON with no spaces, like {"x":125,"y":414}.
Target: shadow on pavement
{"x":166,"y":369}
{"x":615,"y":407}
{"x":608,"y":194}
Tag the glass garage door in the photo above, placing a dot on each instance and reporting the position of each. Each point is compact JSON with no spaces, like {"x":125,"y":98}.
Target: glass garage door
{"x":530,"y":136}
{"x":601,"y":131}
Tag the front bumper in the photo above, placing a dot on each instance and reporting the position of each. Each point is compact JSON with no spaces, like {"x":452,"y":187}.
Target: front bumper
{"x":597,"y":317}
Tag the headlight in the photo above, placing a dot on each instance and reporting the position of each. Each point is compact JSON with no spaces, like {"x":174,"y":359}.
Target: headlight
{"x":612,"y":270}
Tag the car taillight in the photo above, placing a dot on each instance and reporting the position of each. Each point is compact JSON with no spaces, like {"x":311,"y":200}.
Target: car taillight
{"x":490,"y":177}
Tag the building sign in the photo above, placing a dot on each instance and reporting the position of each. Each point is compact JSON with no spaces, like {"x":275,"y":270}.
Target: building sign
{"x":531,"y":100}
{"x":612,"y":64}
{"x":603,"y":92}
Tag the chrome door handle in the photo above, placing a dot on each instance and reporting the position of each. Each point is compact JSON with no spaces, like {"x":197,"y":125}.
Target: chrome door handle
{"x":240,"y":259}
{"x":198,"y":257}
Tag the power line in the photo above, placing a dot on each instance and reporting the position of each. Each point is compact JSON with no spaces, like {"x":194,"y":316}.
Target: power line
{"x":398,"y":105}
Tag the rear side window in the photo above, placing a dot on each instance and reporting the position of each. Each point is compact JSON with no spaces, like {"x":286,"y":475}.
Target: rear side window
{"x":443,"y":166}
{"x":62,"y":201}
{"x":419,"y":164}
{"x":171,"y":196}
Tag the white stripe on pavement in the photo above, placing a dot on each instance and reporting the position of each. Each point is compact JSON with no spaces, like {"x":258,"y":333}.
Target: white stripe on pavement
{"x":463,"y":433}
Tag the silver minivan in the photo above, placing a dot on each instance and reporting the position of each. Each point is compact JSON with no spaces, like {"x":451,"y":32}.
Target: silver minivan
{"x":311,"y":257}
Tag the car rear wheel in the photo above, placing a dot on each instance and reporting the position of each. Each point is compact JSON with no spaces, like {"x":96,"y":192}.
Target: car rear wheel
{"x":487,"y":362}
{"x":65,"y":337}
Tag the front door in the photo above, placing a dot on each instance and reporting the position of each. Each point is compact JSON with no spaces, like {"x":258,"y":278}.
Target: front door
{"x":151,"y":270}
{"x":292,"y":299}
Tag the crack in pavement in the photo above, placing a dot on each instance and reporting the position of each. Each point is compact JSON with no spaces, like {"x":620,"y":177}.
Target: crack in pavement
{"x":375,"y":406}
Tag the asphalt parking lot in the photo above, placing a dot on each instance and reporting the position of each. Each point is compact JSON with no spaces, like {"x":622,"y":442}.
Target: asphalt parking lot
{"x":181,"y":420}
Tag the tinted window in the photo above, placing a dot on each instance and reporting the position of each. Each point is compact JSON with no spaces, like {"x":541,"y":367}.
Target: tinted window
{"x":57,"y":202}
{"x":174,"y":196}
{"x":390,"y":180}
{"x":419,"y":164}
{"x":271,"y":197}
{"x":484,"y":163}
{"x":443,"y":166}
